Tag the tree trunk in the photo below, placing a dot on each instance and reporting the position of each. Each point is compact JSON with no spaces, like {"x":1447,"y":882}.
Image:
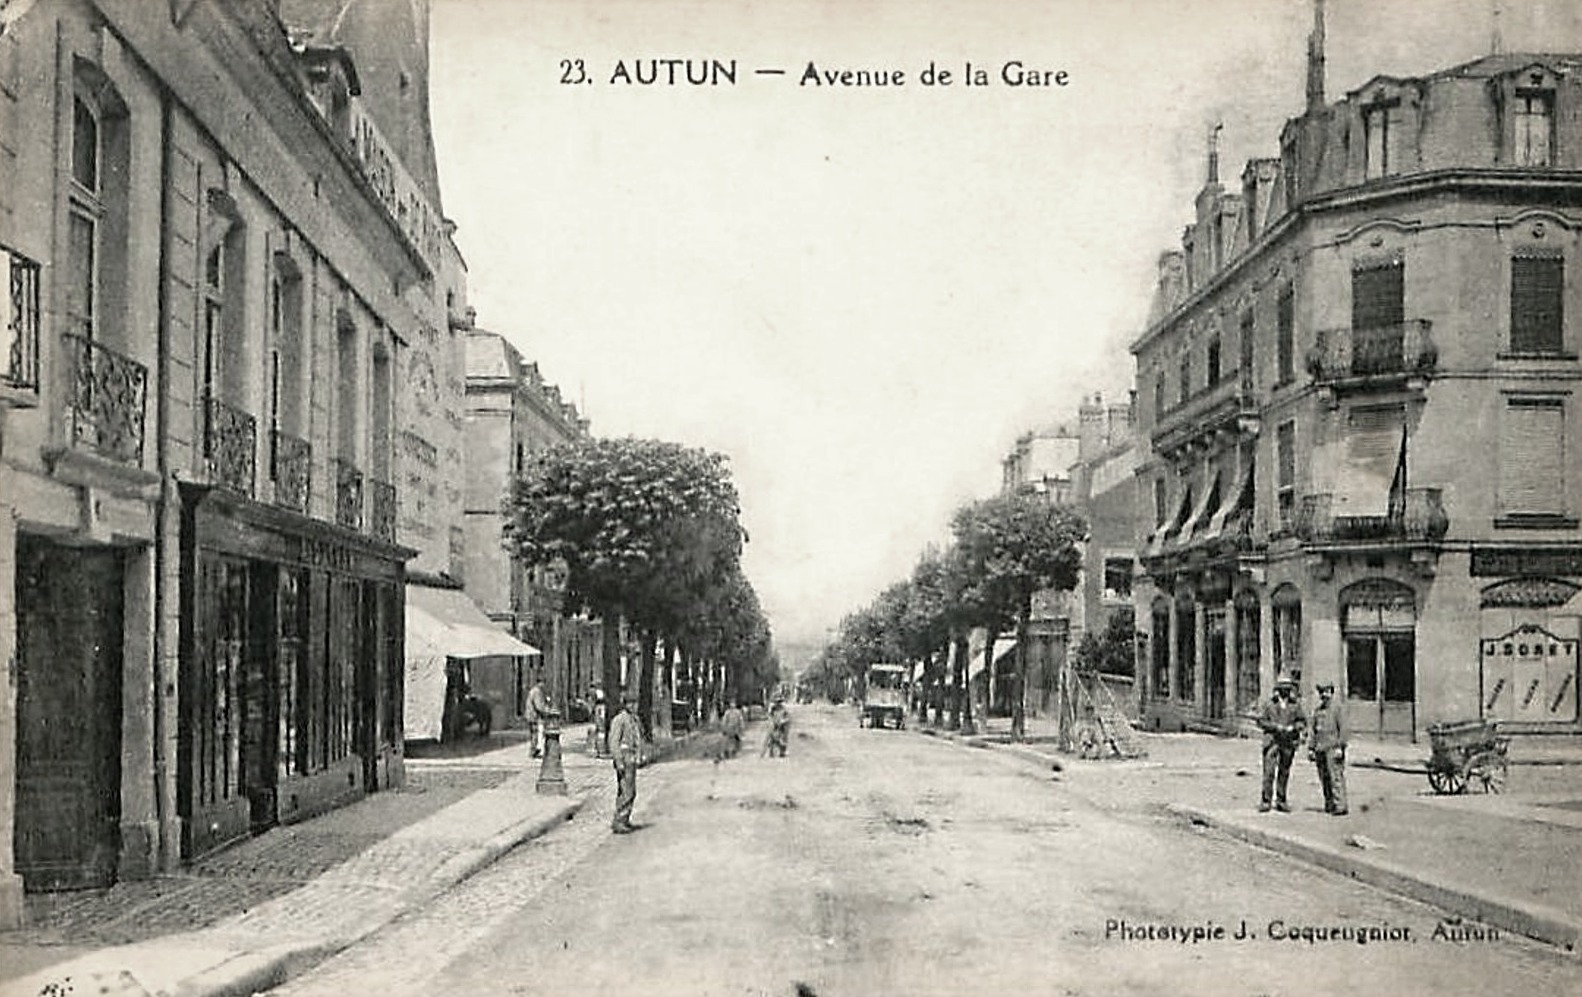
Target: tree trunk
{"x":961,"y":707}
{"x":645,"y":684}
{"x":939,"y":690}
{"x":610,"y":669}
{"x":667,"y":684}
{"x":1019,"y":694}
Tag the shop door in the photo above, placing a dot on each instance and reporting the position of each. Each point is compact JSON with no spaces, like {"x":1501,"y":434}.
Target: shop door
{"x":214,"y":710}
{"x":68,"y":740}
{"x":1214,"y":665}
{"x":1381,"y":683}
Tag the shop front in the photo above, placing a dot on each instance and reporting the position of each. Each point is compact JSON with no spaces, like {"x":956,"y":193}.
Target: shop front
{"x":291,"y":667}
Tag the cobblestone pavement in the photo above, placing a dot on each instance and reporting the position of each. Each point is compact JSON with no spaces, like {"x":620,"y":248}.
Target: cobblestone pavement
{"x":246,"y":875}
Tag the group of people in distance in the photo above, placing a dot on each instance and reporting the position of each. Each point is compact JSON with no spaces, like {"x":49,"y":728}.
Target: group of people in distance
{"x":1284,"y":724}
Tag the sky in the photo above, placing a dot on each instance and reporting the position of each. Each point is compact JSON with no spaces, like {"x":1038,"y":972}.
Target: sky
{"x":863,"y":295}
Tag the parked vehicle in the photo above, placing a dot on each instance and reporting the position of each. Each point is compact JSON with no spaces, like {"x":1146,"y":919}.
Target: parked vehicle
{"x":884,"y":696}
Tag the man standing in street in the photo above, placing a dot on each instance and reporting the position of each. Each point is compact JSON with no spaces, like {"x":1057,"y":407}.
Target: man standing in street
{"x":1327,"y":748}
{"x":539,"y":712}
{"x":1282,"y":722}
{"x":732,"y":726}
{"x":626,"y":745}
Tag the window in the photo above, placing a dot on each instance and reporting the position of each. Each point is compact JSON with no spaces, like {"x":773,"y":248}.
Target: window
{"x":225,"y":353}
{"x":1377,"y":121}
{"x":19,"y":323}
{"x":1532,"y":458}
{"x":1285,"y":455}
{"x":1535,"y":115}
{"x":1378,"y":314}
{"x":1161,"y":506}
{"x":1186,"y":379}
{"x":1117,"y":578}
{"x":94,"y":264}
{"x":1161,"y":649}
{"x":1286,"y":604}
{"x":1213,"y":361}
{"x":1159,"y":396}
{"x":1537,"y":296}
{"x":1247,"y":347}
{"x":1286,"y":334}
{"x":1186,"y":647}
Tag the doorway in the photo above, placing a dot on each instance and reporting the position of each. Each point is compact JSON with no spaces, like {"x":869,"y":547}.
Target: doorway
{"x":1379,"y":625}
{"x":68,"y":709}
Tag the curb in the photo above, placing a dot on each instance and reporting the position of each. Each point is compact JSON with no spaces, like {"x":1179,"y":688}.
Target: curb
{"x":1544,"y":924}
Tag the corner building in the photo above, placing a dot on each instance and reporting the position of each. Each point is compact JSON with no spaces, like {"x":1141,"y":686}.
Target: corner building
{"x":1358,"y":395}
{"x":217,"y":265}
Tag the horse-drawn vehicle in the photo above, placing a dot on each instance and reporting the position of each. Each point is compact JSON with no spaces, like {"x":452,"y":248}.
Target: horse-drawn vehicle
{"x":1467,"y":753}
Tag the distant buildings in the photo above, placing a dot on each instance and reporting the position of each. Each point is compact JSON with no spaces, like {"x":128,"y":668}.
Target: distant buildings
{"x":1358,"y":412}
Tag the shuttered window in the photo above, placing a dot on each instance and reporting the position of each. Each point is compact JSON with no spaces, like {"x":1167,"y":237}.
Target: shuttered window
{"x":1532,"y":457}
{"x":1378,"y":296}
{"x":1366,"y":480}
{"x":1537,"y":286}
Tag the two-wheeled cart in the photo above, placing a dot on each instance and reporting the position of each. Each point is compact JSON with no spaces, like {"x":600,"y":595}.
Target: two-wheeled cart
{"x":1467,"y":753}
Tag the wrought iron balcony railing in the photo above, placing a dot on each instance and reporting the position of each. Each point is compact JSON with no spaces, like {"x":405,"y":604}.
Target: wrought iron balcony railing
{"x":19,"y":335}
{"x":1416,"y":515}
{"x":1389,"y":351}
{"x":382,"y":510}
{"x":106,"y":396}
{"x":348,"y":494}
{"x":230,"y":443}
{"x":1226,"y":403}
{"x":291,"y":468}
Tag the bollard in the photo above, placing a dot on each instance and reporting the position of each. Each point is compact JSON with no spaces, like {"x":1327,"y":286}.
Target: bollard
{"x":551,"y":778}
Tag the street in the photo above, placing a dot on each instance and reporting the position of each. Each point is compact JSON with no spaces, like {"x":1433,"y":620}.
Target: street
{"x":875,"y":861}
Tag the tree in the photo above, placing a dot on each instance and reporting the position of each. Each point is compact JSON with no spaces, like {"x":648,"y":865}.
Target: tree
{"x":642,"y":527}
{"x":1110,"y":650}
{"x":1012,"y":546}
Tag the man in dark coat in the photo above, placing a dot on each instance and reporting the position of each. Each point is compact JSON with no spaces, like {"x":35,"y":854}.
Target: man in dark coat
{"x":1282,"y":723}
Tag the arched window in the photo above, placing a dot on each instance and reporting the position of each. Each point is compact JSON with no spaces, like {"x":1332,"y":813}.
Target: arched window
{"x":1286,"y":605}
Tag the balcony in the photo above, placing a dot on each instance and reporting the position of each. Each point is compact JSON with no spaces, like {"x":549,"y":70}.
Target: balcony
{"x":19,"y":321}
{"x":1376,"y":357}
{"x":1415,"y":517}
{"x":230,"y":441}
{"x":1228,"y":404}
{"x":106,"y":395}
{"x":348,"y":494}
{"x":291,"y":468}
{"x":382,"y":510}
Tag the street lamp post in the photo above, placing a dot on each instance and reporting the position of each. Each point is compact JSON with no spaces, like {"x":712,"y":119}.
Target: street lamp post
{"x":551,"y":777}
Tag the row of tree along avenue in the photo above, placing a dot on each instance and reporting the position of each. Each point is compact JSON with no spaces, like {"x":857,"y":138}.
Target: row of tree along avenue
{"x":1003,"y":551}
{"x":648,"y":538}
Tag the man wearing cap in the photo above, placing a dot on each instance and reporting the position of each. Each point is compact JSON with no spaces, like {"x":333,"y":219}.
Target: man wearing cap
{"x":626,"y":745}
{"x":1327,"y":748}
{"x":1282,"y":722}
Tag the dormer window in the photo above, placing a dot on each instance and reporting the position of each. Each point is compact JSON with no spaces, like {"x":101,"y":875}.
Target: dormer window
{"x":1534,"y":132}
{"x":1377,"y":120}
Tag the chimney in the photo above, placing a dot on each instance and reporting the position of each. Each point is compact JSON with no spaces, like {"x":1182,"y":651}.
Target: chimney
{"x":1315,"y":59}
{"x":1213,"y":151}
{"x":1090,"y":428}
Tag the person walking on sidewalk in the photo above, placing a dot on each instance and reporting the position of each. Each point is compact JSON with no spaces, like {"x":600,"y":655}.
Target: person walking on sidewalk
{"x":732,"y":725}
{"x":626,"y":746}
{"x":1282,"y":722}
{"x":1327,"y":748}
{"x":540,"y":713}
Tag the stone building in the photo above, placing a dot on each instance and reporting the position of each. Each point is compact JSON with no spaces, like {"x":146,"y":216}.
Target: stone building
{"x":225,"y":252}
{"x":1358,"y":407}
{"x":513,"y":413}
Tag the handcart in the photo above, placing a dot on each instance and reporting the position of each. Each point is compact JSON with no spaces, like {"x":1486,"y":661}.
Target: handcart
{"x":1467,"y":753}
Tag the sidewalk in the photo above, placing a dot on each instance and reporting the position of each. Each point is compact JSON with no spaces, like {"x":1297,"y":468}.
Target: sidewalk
{"x":1507,"y":861}
{"x":251,"y":916}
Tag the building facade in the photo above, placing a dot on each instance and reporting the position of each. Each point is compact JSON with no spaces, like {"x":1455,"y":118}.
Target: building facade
{"x":1358,"y":402}
{"x":512,"y":414}
{"x":218,"y":264}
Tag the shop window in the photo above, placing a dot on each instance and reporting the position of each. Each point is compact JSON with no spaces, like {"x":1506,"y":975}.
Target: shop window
{"x":1161,"y":649}
{"x":1286,"y":604}
{"x":1186,"y":648}
{"x":1537,"y":304}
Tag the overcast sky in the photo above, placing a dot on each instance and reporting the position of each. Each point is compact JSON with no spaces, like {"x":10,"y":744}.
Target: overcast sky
{"x":864,"y":295}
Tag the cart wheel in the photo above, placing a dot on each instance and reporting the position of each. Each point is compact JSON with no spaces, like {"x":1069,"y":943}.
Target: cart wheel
{"x":1487,"y":770}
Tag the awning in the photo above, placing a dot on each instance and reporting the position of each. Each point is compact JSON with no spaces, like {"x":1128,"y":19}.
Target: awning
{"x":1156,"y":540}
{"x":1238,"y":498}
{"x":447,"y":621}
{"x":1201,"y":511}
{"x":1372,"y":464}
